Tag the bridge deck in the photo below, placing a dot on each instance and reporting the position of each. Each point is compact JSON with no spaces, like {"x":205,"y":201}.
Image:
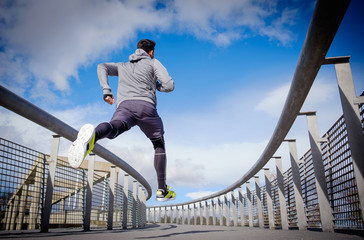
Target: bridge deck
{"x":178,"y":232}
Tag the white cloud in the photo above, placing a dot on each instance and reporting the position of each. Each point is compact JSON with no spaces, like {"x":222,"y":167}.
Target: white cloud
{"x":274,"y":101}
{"x":214,"y":165}
{"x":55,"y":38}
{"x":278,"y":29}
{"x":196,"y":195}
{"x":322,"y":92}
{"x":46,"y":42}
{"x":223,"y":22}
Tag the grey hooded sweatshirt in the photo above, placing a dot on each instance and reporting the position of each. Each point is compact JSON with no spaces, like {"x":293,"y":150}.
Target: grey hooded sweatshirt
{"x":138,"y":79}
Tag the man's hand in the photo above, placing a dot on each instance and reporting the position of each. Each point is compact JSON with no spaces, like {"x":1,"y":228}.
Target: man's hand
{"x":110,"y":100}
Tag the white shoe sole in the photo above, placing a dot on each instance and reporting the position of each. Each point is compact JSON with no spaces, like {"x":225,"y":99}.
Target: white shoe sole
{"x":164,"y":199}
{"x":76,"y":152}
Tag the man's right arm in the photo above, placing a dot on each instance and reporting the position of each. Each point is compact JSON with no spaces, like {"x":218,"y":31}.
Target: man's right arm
{"x":103,"y":71}
{"x":166,"y":83}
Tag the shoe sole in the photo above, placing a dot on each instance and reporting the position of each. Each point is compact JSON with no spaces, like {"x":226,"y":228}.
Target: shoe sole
{"x":77,"y":151}
{"x":164,"y":199}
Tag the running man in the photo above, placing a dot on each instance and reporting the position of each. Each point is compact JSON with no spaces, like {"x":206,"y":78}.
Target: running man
{"x":136,"y":105}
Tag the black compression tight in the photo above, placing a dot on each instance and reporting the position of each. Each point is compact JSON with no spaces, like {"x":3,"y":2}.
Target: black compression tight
{"x":110,"y":129}
{"x":160,"y":161}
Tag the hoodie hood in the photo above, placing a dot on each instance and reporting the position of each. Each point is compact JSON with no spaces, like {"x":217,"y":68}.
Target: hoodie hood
{"x":139,"y":54}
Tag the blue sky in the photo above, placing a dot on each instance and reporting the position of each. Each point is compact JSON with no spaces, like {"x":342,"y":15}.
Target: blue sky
{"x":232,"y":62}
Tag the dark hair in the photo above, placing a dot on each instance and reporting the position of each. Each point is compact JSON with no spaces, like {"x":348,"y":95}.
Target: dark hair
{"x":146,"y":44}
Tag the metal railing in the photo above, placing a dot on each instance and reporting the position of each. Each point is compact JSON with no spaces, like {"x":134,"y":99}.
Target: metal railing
{"x":325,"y":188}
{"x":24,"y":188}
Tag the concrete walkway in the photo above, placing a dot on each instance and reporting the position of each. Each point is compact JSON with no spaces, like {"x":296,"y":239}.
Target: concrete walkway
{"x":178,"y":232}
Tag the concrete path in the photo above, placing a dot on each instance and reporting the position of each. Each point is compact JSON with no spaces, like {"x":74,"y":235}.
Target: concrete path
{"x":178,"y":232}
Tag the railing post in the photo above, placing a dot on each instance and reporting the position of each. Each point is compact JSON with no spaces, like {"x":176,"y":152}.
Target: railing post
{"x":23,"y":200}
{"x":14,"y":212}
{"x":281,"y":196}
{"x":242,"y":214}
{"x":165,"y":215}
{"x":125,"y":201}
{"x":227,"y":210}
{"x":326,"y":216}
{"x":300,"y":208}
{"x":193,"y":214}
{"x":249,"y":199}
{"x":213,"y":212}
{"x":177,"y":214}
{"x":34,"y":205}
{"x":220,"y":212}
{"x":149,"y":215}
{"x":201,"y":213}
{"x":268,"y":189}
{"x":134,"y":213}
{"x":46,"y":213}
{"x":10,"y":212}
{"x":233,"y":204}
{"x":90,"y":184}
{"x":157,"y":218}
{"x":154,"y":215}
{"x":349,"y":103}
{"x":259,"y":202}
{"x":160,"y":215}
{"x":141,"y":207}
{"x":207,"y":212}
{"x":172,"y":214}
{"x":112,"y":184}
{"x":7,"y":216}
{"x":188,"y":214}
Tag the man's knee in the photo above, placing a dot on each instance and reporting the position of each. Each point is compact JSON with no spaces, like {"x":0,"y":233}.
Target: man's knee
{"x":158,"y":143}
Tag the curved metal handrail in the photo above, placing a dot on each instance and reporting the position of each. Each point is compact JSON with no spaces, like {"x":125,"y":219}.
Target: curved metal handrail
{"x":325,"y":22}
{"x":28,"y":110}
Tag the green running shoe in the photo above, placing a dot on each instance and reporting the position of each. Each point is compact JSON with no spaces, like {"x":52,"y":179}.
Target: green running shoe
{"x":164,"y":195}
{"x":82,"y":146}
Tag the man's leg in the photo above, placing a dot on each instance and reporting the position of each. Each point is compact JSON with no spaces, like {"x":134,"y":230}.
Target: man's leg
{"x":147,"y":118}
{"x":160,"y":161}
{"x":160,"y":164}
{"x":88,"y":135}
{"x":110,"y":129}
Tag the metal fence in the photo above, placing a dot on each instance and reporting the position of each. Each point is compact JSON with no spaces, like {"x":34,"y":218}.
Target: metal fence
{"x":22,"y":174}
{"x":23,"y":182}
